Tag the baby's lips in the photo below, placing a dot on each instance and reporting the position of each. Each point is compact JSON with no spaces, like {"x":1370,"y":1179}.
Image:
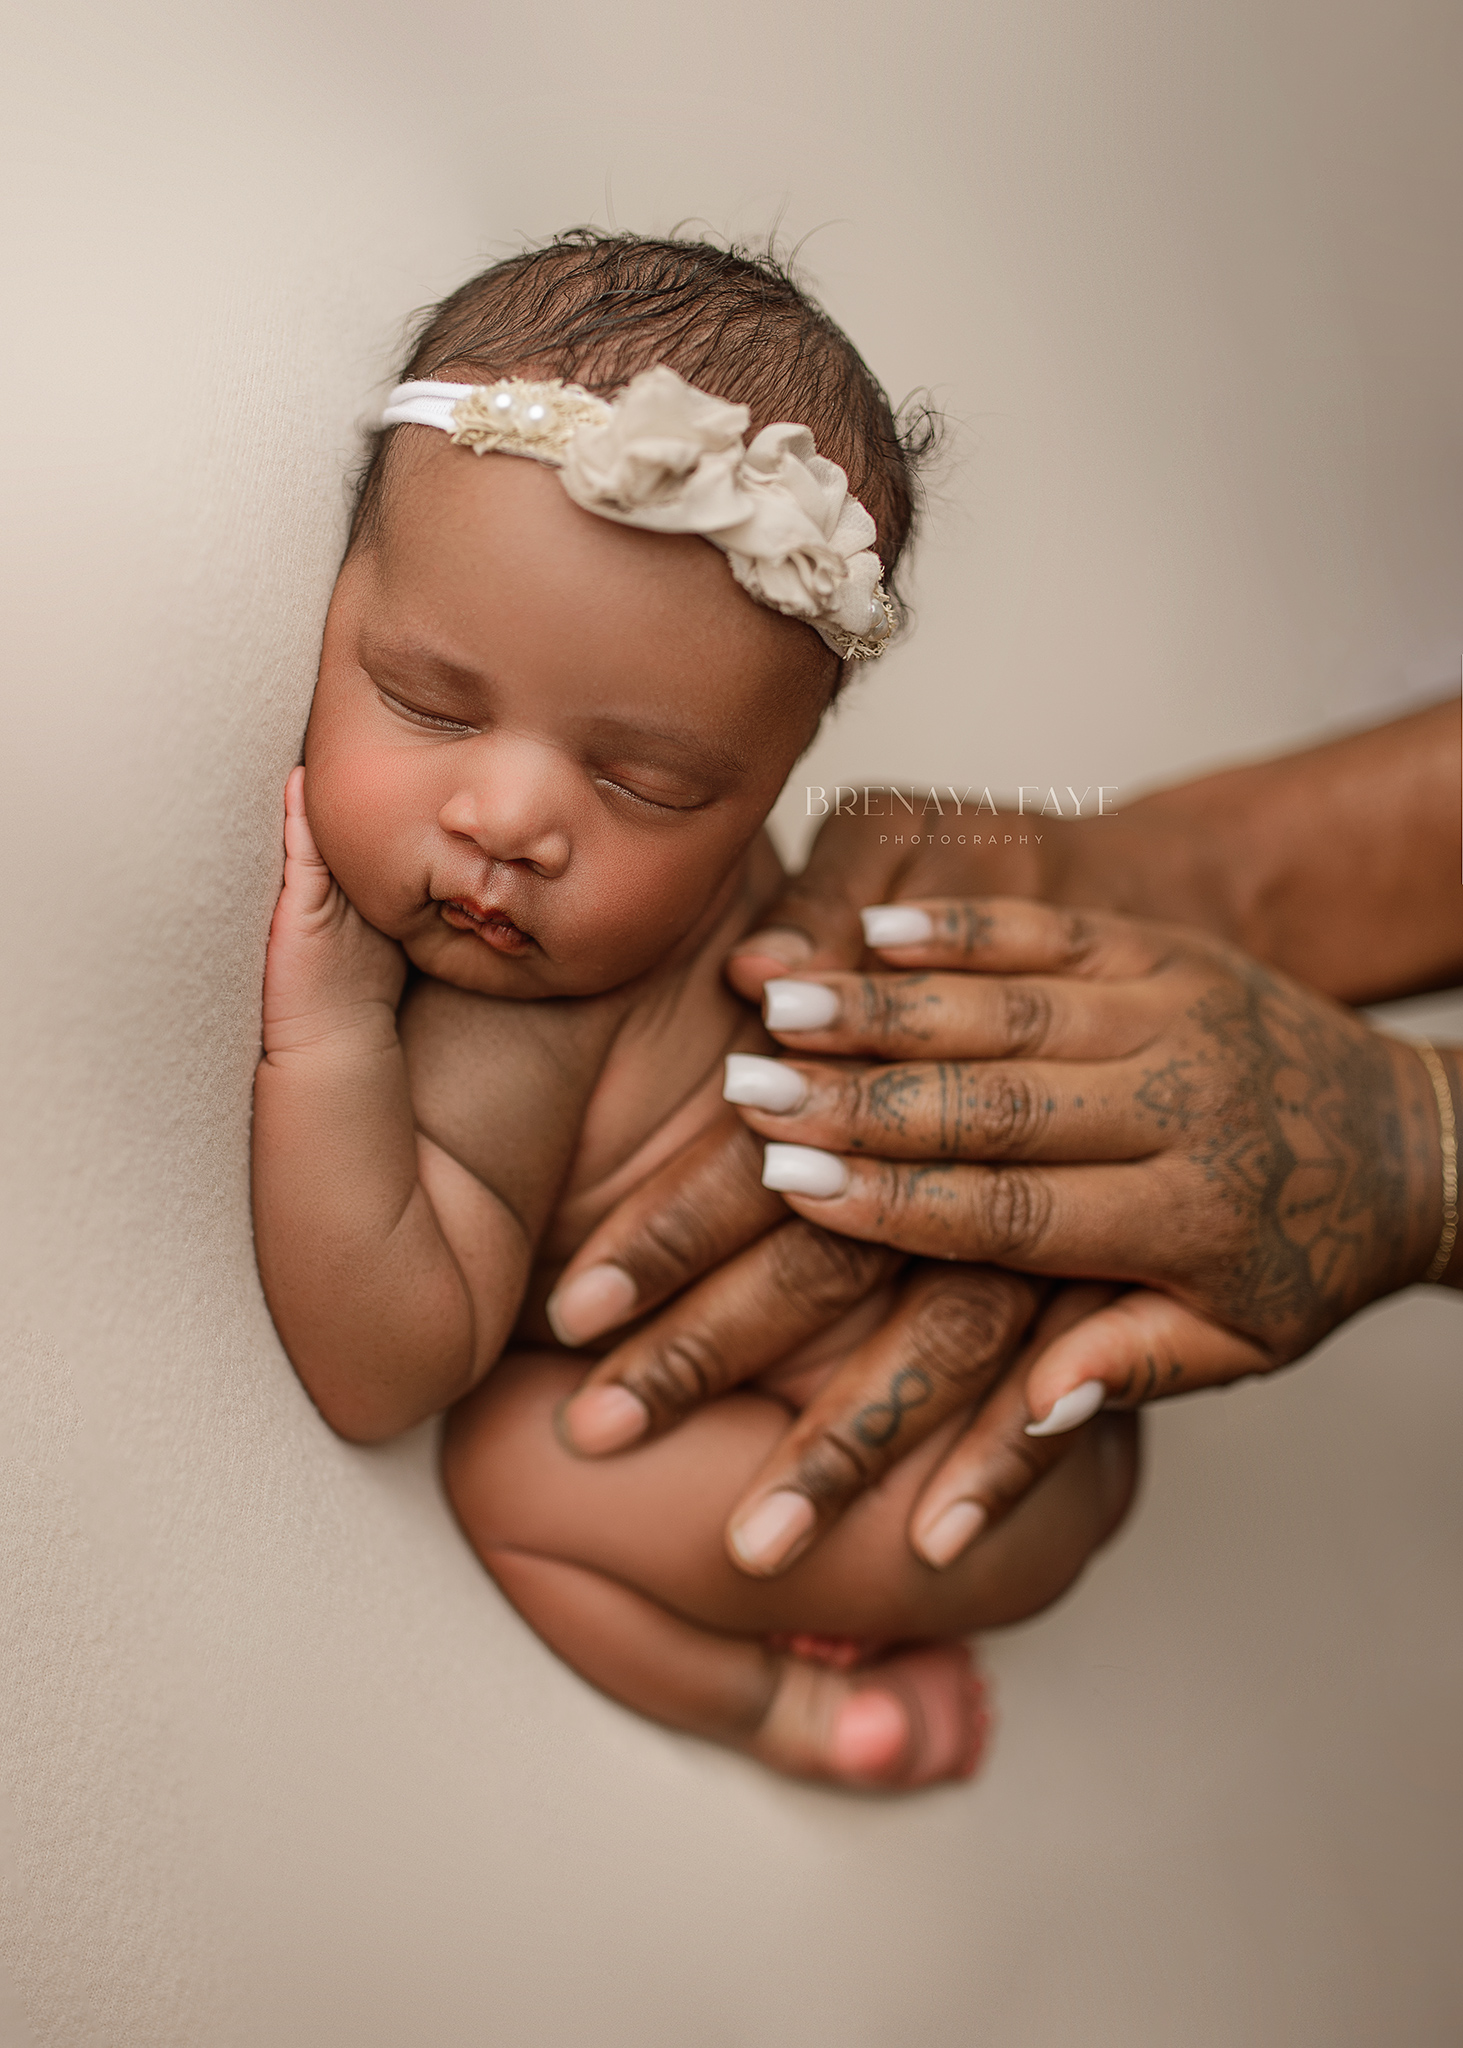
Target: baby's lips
{"x":487,"y":922}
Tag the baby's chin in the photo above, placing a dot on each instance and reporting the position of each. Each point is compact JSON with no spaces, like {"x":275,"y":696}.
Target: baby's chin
{"x":521,"y":973}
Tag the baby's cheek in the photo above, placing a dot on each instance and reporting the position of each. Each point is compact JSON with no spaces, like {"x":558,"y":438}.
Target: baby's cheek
{"x":361,"y":818}
{"x":633,"y":908}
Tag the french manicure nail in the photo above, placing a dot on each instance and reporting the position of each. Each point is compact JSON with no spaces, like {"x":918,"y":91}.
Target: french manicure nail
{"x":605,"y":1419}
{"x":895,"y":924}
{"x":767,"y":1537}
{"x":592,"y":1301}
{"x":959,"y":1525}
{"x":759,"y":1083}
{"x":778,"y":942}
{"x":803,"y":1170}
{"x":799,"y":1005}
{"x":1072,"y":1410}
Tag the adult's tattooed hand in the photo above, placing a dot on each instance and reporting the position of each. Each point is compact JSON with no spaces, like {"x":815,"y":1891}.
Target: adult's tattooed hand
{"x":719,"y":1284}
{"x":1106,"y":1099}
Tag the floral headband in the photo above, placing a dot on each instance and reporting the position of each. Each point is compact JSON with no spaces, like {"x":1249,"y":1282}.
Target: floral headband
{"x":671,"y":459}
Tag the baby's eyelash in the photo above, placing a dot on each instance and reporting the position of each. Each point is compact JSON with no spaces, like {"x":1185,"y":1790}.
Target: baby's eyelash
{"x":651,"y":803}
{"x":427,"y":718}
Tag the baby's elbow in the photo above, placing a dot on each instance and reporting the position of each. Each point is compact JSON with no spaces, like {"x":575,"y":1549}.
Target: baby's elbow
{"x":372,"y":1384}
{"x":363,"y":1411}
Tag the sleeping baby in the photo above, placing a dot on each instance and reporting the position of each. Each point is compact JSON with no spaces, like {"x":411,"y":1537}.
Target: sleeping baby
{"x":626,"y":524}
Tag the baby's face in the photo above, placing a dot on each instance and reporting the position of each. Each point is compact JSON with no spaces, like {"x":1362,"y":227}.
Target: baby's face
{"x":541,"y":742}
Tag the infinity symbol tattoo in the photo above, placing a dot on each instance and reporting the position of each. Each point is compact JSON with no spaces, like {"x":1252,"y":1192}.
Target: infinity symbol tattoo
{"x":877,"y":1433}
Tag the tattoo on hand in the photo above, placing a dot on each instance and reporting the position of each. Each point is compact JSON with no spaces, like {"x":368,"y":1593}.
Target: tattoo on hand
{"x":895,"y":1005}
{"x":1308,"y":1155}
{"x":961,"y":924}
{"x":879,"y":1423}
{"x":1169,"y":1095}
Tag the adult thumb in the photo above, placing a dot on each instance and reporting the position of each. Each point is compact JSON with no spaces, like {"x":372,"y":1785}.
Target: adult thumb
{"x":815,"y":923}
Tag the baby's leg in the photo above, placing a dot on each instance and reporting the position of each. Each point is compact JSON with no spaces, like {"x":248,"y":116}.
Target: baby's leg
{"x":914,"y":1719}
{"x":568,"y":1539}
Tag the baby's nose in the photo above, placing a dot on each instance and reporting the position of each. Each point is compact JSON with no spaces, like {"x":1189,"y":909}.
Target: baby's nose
{"x":510,"y":813}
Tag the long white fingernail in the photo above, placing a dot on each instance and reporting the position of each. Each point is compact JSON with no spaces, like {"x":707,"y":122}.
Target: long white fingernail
{"x":799,"y":1005}
{"x":758,"y":1083}
{"x":803,"y":1170}
{"x":1072,"y":1410}
{"x":895,"y":924}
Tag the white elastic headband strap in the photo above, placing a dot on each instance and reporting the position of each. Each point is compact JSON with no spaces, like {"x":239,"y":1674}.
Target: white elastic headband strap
{"x":668,"y":458}
{"x":424,"y":405}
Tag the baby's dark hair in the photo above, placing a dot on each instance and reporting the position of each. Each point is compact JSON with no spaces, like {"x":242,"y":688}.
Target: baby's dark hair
{"x":594,"y":308}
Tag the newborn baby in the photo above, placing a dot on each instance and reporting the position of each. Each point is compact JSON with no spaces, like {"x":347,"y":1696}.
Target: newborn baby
{"x":549,"y":723}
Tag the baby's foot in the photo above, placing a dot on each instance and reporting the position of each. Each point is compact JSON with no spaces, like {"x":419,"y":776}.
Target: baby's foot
{"x":918,"y":1718}
{"x":840,"y":1653}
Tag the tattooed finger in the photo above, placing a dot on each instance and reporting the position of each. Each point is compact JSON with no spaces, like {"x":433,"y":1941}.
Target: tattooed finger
{"x":1010,"y":935}
{"x":1144,"y":1347}
{"x":966,"y":1109}
{"x":951,"y":1335}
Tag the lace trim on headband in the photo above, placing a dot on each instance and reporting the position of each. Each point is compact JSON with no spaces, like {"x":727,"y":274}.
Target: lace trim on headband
{"x":668,"y":458}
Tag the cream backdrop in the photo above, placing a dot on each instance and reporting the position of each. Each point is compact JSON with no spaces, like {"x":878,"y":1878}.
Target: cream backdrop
{"x":280,"y":1767}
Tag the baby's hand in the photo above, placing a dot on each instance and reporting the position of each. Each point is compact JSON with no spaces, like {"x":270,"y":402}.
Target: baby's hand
{"x":327,"y":970}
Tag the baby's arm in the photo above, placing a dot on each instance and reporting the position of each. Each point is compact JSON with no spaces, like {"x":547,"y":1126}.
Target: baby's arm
{"x":392,"y":1265}
{"x":620,"y":1565}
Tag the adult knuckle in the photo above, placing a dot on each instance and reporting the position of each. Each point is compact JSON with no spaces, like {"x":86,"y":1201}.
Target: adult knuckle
{"x":683,"y":1370}
{"x":1026,"y":1016}
{"x":878,"y":1102}
{"x":831,"y":1471}
{"x":1080,"y":940}
{"x":1016,"y":1211}
{"x":673,"y":1242}
{"x":875,"y":1006}
{"x":956,"y":1329}
{"x":915,"y":1202}
{"x":1012,"y":1112}
{"x":818,"y":1268}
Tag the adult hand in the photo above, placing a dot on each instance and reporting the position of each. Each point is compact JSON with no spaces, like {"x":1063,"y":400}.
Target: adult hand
{"x":1145,"y":1105}
{"x":1268,"y":856}
{"x":1108,"y":862}
{"x":769,"y":1282}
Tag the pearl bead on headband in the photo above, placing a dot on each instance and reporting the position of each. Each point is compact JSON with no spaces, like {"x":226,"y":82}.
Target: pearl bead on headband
{"x":668,"y":458}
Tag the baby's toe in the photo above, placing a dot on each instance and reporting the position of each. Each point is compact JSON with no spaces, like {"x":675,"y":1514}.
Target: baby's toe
{"x":870,"y":1738}
{"x":941,"y":1700}
{"x":843,"y":1653}
{"x":919,"y":1718}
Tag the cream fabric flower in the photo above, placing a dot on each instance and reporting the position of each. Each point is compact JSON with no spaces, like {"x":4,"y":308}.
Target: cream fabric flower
{"x":672,"y":459}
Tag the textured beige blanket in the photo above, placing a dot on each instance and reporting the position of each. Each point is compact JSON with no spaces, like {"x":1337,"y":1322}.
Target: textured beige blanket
{"x":279,"y":1766}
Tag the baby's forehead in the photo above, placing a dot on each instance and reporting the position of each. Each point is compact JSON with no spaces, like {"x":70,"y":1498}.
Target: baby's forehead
{"x":482,"y":569}
{"x":449,"y":514}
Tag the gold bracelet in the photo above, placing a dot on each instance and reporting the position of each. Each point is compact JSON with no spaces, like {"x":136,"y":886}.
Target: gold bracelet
{"x":1437,"y":1073}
